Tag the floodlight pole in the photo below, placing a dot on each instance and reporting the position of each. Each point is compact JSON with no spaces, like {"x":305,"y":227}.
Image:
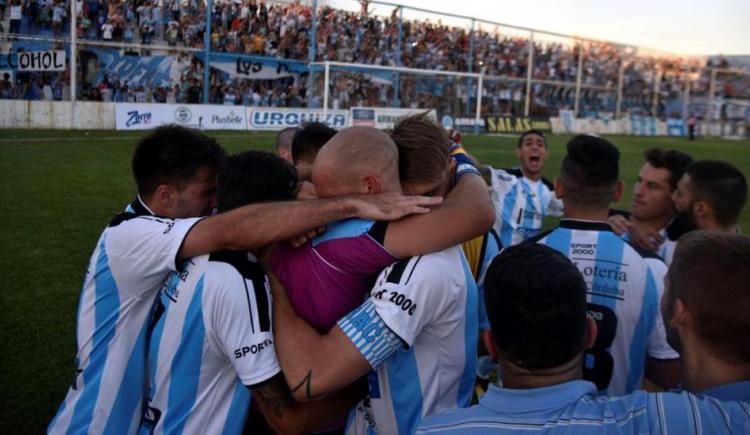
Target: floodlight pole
{"x":397,"y":81}
{"x":326,"y":77}
{"x":712,"y":90}
{"x":471,"y":65}
{"x":579,"y":76}
{"x":478,"y":117}
{"x":529,"y":71}
{"x":207,"y":39}
{"x":655,"y":98}
{"x":686,"y":98}
{"x":73,"y":54}
{"x":312,"y":53}
{"x":620,"y":83}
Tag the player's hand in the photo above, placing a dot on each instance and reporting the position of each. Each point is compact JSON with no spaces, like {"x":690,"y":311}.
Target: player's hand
{"x":646,"y":237}
{"x":392,"y":206}
{"x":304,"y":238}
{"x":620,"y":224}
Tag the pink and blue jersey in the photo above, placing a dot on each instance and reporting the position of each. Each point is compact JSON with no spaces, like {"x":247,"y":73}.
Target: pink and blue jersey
{"x":330,"y":276}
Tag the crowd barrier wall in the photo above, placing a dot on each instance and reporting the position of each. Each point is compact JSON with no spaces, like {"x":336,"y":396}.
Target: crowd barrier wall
{"x":86,"y":115}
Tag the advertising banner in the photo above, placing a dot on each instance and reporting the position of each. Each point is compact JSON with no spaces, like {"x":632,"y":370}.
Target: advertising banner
{"x":364,"y":117}
{"x":468,"y":125}
{"x":675,"y":127}
{"x":130,"y":116}
{"x":516,"y":124}
{"x":277,"y":118}
{"x":386,"y":118}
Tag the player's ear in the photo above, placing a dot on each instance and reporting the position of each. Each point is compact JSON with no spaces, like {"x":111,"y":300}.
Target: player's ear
{"x":165,"y":195}
{"x":701,"y":209}
{"x":559,"y":188}
{"x":489,"y":344}
{"x":371,"y":184}
{"x":589,"y":337}
{"x":680,"y":315}
{"x":618,"y":191}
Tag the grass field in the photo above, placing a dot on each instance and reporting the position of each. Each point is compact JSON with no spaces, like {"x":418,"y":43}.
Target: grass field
{"x":60,"y":188}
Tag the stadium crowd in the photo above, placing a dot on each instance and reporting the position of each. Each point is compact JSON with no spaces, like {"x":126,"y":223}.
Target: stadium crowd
{"x":282,"y":30}
{"x":391,"y":277}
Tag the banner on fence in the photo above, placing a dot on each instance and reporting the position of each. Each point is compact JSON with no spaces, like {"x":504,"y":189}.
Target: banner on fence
{"x":50,"y":60}
{"x":276,"y":118}
{"x":643,"y":125}
{"x":470,"y":125}
{"x":675,"y":127}
{"x":254,"y":67}
{"x":385,"y":118}
{"x":207,"y":117}
{"x":516,"y":124}
{"x":136,"y":71}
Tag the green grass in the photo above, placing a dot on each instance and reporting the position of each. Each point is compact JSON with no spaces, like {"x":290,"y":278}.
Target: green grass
{"x":59,"y":189}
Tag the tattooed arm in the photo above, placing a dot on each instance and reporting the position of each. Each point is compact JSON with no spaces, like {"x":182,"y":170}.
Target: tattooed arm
{"x":314,"y":365}
{"x":285,"y":415}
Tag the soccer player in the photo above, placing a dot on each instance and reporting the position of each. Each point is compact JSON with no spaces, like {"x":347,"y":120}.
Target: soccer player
{"x":175,"y":172}
{"x":652,"y":224}
{"x":706,"y":307}
{"x":624,"y":284}
{"x":711,"y":195}
{"x":284,"y":143}
{"x":536,"y":299}
{"x":417,"y":332}
{"x":521,"y":196}
{"x":211,"y":344}
{"x":307,"y":141}
{"x":327,"y":278}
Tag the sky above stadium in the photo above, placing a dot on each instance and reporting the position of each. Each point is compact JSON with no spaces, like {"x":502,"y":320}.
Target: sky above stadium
{"x":689,"y":27}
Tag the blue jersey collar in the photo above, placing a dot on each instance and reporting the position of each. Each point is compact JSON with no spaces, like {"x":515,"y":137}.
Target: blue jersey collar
{"x":535,"y":399}
{"x":739,"y":391}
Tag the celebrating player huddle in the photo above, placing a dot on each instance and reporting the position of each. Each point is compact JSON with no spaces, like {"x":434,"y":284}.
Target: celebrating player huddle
{"x":343,"y":289}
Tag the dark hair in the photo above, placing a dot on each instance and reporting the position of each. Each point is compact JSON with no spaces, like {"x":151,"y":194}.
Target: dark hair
{"x":710,"y":273}
{"x":173,"y":154}
{"x":423,"y":149}
{"x":536,"y":305}
{"x":590,"y":171}
{"x":722,"y":186}
{"x":674,"y":161}
{"x":255,"y":176}
{"x":309,"y":139}
{"x":532,"y":131}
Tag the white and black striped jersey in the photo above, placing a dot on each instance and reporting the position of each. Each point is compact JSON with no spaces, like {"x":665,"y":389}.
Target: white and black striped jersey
{"x":521,"y":205}
{"x":210,"y":341}
{"x":625,"y":286}
{"x":133,"y":256}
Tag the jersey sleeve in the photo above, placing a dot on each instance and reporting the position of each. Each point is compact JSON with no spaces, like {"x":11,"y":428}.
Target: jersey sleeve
{"x":145,"y":249}
{"x":240,"y":323}
{"x":411,"y":296}
{"x":657,"y":342}
{"x":501,"y":183}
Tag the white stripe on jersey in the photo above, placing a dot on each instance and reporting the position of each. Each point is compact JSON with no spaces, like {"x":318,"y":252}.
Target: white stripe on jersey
{"x":430,"y":302}
{"x":211,"y":341}
{"x":626,"y":286}
{"x":132,"y":258}
{"x":520,"y":206}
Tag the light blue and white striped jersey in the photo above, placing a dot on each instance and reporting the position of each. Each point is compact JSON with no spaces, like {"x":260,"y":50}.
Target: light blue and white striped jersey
{"x":625,"y":286}
{"x":133,"y":256}
{"x":666,"y":249}
{"x":573,"y":408}
{"x":428,"y":304}
{"x":521,"y":205}
{"x":211,"y":340}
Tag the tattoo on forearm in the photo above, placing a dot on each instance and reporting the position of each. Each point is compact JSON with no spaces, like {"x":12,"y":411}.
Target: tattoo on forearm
{"x":276,"y":396}
{"x":306,"y":381}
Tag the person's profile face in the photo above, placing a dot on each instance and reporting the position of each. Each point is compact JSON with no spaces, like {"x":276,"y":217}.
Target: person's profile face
{"x":652,"y":194}
{"x":198,"y":196}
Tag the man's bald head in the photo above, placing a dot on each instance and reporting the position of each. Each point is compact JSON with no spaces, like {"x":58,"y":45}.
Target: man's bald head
{"x":357,"y":160}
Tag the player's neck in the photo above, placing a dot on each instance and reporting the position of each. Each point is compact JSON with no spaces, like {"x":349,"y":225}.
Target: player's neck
{"x":518,"y":378}
{"x":701,"y":370}
{"x":531,"y":176}
{"x":574,"y":211}
{"x":154,"y":207}
{"x":710,"y":224}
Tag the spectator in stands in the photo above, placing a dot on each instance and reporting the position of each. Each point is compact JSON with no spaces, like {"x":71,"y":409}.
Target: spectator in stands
{"x":16,"y":14}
